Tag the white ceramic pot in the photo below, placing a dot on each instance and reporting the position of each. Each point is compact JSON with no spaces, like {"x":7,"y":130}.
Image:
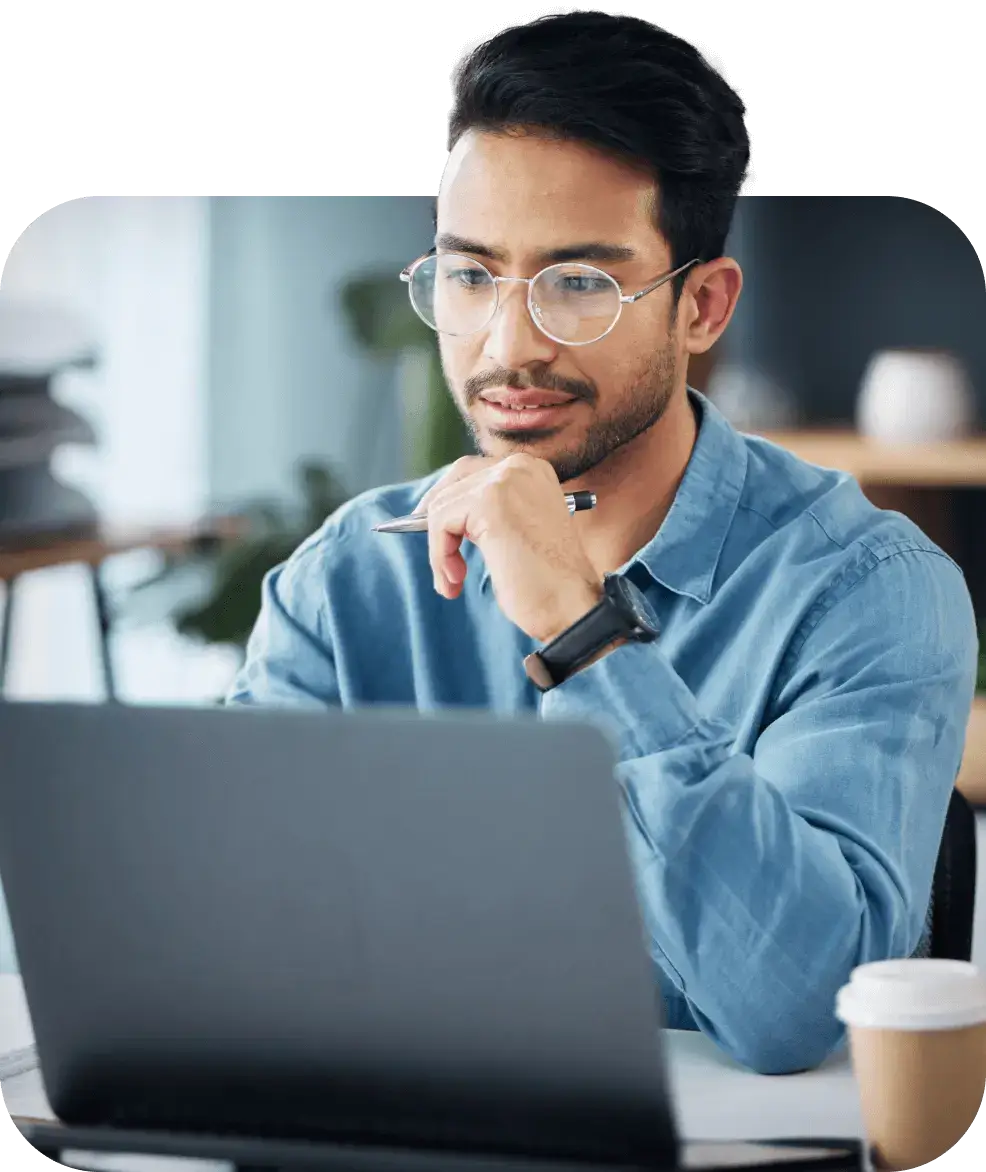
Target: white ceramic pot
{"x":915,"y":396}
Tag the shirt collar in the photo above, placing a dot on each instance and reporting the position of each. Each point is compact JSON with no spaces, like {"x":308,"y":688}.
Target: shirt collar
{"x":684,"y":553}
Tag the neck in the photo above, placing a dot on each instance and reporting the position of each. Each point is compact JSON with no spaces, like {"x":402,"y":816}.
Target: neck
{"x":636,"y":487}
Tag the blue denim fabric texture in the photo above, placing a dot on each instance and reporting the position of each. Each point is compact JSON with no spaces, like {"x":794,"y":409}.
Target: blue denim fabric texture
{"x":786,"y":748}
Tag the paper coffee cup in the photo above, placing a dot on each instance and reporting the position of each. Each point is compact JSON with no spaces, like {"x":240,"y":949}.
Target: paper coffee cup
{"x":917,"y":1035}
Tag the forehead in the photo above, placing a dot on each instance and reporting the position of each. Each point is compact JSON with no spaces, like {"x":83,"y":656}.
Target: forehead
{"x":525,"y":193}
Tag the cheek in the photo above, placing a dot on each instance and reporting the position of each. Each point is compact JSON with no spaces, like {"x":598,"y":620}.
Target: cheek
{"x":461,"y":360}
{"x":639,"y":340}
{"x":607,"y":367}
{"x":626,"y":358}
{"x":456,"y":370}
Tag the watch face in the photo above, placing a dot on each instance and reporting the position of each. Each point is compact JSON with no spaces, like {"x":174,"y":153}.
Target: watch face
{"x":634,"y":605}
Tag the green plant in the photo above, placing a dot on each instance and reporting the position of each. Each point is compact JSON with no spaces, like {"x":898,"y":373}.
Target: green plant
{"x":981,"y":681}
{"x":225,"y":611}
{"x":382,"y":319}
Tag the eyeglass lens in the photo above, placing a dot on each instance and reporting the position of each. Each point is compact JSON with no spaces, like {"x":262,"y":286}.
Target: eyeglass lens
{"x":571,"y":302}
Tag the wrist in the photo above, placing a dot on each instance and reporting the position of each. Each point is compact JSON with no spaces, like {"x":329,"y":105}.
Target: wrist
{"x":574,"y":607}
{"x":586,"y":630}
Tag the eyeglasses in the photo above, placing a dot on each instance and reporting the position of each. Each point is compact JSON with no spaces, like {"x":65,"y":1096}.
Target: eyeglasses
{"x":573,"y":304}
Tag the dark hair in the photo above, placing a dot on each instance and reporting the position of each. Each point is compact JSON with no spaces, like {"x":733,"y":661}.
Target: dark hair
{"x":631,"y":89}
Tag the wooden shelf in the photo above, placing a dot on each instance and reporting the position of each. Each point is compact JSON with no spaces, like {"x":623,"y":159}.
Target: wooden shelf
{"x":952,"y":464}
{"x":97,"y":548}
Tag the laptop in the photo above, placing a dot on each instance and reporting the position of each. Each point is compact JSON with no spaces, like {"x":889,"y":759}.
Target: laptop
{"x":376,"y":931}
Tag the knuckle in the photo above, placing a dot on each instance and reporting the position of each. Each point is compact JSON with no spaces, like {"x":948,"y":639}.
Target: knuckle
{"x":497,"y":495}
{"x":500,"y":481}
{"x":439,"y":500}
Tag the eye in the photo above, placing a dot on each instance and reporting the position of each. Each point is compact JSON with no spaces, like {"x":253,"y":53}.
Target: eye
{"x":467,"y":278}
{"x":582,"y":283}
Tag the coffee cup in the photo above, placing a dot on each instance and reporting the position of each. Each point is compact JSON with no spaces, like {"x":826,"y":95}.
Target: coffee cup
{"x":917,"y":1036}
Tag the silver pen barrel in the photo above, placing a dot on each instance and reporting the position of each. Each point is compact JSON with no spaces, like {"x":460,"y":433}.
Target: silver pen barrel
{"x":418,"y":522}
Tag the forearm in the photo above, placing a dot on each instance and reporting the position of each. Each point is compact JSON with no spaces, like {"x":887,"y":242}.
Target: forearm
{"x":288,"y":660}
{"x":757,"y":915}
{"x":756,"y":903}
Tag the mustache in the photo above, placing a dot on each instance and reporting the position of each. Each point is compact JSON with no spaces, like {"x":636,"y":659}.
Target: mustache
{"x":542,"y":380}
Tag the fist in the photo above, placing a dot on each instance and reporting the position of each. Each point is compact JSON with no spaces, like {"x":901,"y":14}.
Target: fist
{"x":514,"y":510}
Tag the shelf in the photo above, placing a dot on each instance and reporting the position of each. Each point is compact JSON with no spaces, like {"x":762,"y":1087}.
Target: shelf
{"x":98,"y":547}
{"x":952,"y":464}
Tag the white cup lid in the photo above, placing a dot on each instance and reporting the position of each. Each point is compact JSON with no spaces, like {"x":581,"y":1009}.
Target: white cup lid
{"x":913,"y":995}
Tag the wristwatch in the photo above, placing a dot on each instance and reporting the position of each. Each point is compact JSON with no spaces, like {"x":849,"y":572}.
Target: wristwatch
{"x":621,"y":615}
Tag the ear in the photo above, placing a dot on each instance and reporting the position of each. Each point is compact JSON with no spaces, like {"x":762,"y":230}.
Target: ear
{"x":707,"y":302}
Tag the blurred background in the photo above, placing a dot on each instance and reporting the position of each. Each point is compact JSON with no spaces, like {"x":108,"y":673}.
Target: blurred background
{"x":188,"y":386}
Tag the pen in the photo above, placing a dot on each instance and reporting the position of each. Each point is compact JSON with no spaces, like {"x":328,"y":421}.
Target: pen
{"x":418,"y":522}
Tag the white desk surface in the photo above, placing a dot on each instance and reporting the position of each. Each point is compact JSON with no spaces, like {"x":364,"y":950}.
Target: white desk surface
{"x":714,"y":1097}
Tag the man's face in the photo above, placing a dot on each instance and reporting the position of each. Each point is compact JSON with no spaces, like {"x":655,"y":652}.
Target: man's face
{"x":509,"y":202}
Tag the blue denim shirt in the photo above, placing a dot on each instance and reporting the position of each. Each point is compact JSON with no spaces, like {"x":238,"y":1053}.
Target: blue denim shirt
{"x":786,"y":749}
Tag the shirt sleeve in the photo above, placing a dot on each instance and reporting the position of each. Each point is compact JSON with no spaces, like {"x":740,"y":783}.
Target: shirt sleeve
{"x":289,"y":659}
{"x":765,"y":877}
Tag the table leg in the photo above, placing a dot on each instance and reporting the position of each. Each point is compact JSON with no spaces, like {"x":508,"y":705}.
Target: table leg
{"x":104,"y":623}
{"x":6,"y":625}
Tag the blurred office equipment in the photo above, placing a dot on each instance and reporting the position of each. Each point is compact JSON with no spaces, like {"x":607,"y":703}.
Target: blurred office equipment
{"x":37,"y":342}
{"x":43,"y":522}
{"x":831,"y":281}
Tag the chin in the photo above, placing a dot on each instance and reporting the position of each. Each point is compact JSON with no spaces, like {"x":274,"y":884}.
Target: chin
{"x":511,"y":441}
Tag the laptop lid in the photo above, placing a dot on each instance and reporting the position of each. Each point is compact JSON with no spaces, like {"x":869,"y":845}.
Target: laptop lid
{"x":374,"y":926}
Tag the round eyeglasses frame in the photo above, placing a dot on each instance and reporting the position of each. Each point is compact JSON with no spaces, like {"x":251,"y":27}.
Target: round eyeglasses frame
{"x":407,"y":275}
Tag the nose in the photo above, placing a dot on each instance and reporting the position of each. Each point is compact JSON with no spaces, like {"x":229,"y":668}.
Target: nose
{"x":512,"y":339}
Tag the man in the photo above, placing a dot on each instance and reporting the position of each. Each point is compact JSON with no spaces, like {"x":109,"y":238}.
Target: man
{"x":789,"y":741}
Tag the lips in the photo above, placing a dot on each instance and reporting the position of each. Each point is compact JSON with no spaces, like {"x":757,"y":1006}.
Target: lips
{"x":515,"y":399}
{"x":526,"y":411}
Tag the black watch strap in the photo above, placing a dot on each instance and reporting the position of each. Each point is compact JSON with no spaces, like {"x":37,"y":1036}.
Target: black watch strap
{"x":597,"y":628}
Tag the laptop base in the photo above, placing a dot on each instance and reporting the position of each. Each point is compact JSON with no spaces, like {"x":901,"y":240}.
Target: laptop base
{"x":250,"y":1154}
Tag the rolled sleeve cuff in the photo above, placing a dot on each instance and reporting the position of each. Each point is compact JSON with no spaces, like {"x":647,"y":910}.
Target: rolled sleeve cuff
{"x":635,"y":695}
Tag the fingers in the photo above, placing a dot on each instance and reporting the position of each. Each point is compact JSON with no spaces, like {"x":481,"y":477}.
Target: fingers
{"x":463,"y":467}
{"x":477,"y":493}
{"x":448,"y":519}
{"x":447,"y":509}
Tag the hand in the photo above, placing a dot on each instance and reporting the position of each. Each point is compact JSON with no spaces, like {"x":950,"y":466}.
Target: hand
{"x":514,"y":509}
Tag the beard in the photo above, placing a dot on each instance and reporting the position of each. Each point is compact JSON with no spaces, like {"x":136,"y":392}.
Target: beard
{"x":642,"y":403}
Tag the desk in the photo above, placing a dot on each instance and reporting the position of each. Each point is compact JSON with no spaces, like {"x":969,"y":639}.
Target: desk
{"x":91,"y":551}
{"x":715,"y":1098}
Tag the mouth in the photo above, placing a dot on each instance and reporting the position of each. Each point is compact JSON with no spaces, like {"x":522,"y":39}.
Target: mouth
{"x":511,"y":408}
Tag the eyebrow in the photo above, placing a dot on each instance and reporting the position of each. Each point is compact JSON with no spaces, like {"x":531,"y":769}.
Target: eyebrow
{"x":594,"y":250}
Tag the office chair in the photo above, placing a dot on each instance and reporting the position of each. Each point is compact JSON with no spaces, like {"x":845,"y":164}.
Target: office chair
{"x":953,"y":892}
